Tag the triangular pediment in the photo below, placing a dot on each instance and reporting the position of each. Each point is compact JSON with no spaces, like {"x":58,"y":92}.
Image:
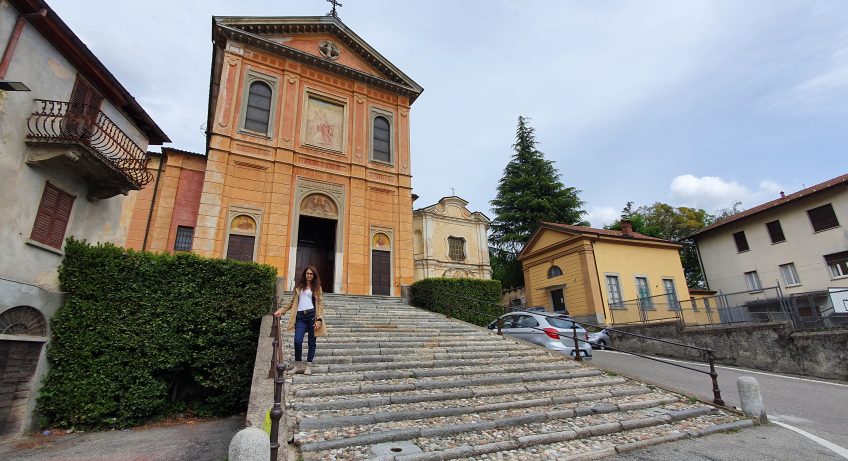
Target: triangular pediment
{"x":546,"y":237}
{"x":300,"y":38}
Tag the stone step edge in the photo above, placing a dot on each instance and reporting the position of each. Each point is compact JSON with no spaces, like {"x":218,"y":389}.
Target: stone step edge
{"x":439,"y":384}
{"x":469,"y":393}
{"x":374,"y":366}
{"x":528,"y":441}
{"x":371,"y":351}
{"x":394,"y":435}
{"x":455,"y":370}
{"x":353,"y":359}
{"x":403,"y":415}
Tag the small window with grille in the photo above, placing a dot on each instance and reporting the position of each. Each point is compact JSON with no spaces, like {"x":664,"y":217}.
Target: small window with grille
{"x":185,"y":235}
{"x":456,"y":248}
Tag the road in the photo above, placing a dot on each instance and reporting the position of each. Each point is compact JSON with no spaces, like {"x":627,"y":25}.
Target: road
{"x":819,"y":407}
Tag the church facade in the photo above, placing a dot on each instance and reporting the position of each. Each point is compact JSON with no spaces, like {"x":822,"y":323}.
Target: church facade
{"x":451,"y":241}
{"x":307,"y":161}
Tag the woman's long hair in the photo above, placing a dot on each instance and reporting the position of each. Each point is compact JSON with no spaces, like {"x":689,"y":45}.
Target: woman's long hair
{"x":316,"y":281}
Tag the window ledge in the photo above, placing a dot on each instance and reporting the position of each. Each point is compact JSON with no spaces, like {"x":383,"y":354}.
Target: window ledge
{"x":840,"y":277}
{"x":45,"y":247}
{"x":779,"y":242}
{"x":744,"y":251}
{"x":757,"y":291}
{"x":380,"y":162}
{"x":257,"y":134}
{"x":825,"y":230}
{"x":793,"y":285}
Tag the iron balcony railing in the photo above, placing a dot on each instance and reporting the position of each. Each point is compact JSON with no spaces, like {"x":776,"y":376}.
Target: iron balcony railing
{"x":64,"y":122}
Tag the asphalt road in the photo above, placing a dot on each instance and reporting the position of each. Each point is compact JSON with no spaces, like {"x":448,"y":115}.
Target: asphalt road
{"x":819,"y":407}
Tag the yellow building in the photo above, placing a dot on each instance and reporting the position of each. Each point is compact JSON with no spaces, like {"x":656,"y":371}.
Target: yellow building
{"x":587,"y":271}
{"x":450,"y":241}
{"x":307,"y":158}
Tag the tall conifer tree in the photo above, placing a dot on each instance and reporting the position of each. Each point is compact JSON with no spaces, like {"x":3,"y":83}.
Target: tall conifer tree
{"x":529,"y":192}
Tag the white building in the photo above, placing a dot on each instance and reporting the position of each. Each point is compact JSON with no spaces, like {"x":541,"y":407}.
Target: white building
{"x":74,"y":147}
{"x":798,"y":242}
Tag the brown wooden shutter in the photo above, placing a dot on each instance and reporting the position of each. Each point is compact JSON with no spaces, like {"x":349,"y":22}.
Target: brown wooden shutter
{"x":51,"y":221}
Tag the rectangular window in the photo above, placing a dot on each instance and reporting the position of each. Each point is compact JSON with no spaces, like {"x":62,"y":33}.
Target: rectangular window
{"x":707,"y":303}
{"x":671,"y":294}
{"x":790,"y":275}
{"x":775,"y":232}
{"x":753,"y":280}
{"x":823,"y":218}
{"x":185,"y":235}
{"x":53,"y":215}
{"x":644,"y":292}
{"x":838,"y":264}
{"x":614,"y":291}
{"x":741,"y":241}
{"x":456,"y":248}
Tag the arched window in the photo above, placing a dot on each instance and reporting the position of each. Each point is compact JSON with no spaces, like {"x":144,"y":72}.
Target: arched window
{"x":554,"y":271}
{"x":258,"y":107}
{"x":23,"y":320}
{"x":382,"y":139}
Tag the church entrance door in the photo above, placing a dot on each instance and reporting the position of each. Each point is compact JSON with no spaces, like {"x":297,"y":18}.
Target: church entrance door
{"x":381,"y":276}
{"x":316,"y":246}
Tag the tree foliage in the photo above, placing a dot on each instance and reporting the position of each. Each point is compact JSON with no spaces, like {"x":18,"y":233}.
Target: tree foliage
{"x":529,"y":192}
{"x":664,"y":221}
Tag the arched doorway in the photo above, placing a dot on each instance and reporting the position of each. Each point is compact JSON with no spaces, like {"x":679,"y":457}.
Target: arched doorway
{"x":316,"y":238}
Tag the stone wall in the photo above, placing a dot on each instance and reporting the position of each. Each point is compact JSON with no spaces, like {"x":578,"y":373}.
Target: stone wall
{"x":769,"y":346}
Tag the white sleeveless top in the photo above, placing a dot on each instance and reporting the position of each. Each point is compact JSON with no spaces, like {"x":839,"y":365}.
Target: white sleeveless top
{"x":305,"y":301}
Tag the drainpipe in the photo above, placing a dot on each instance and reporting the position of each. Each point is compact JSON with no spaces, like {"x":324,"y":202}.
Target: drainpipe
{"x":701,"y":263}
{"x":13,"y":40}
{"x":153,"y":202}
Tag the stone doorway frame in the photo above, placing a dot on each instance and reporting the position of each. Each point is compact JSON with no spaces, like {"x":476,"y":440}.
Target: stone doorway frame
{"x":388,"y":233}
{"x":336,"y":193}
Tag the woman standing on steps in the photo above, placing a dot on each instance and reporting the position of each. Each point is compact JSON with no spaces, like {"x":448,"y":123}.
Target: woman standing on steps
{"x":307,"y":317}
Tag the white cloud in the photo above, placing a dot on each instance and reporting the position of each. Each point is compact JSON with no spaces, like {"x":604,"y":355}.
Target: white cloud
{"x":713,"y":193}
{"x":600,"y":216}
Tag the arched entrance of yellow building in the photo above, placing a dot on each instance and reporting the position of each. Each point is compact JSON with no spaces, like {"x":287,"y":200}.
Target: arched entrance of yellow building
{"x":317,"y":235}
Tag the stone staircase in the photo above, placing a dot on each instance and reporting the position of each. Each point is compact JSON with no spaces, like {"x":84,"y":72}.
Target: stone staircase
{"x":394,"y":382}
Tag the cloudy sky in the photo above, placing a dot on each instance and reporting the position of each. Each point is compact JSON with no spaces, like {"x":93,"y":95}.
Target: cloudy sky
{"x":696,"y":103}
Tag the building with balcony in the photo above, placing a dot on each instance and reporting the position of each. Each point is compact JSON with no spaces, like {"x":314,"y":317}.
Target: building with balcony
{"x":73,"y":153}
{"x":449,"y":240}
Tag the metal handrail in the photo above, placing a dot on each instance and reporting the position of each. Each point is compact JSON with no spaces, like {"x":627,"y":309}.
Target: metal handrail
{"x":278,"y":372}
{"x":706,"y":351}
{"x":61,"y":121}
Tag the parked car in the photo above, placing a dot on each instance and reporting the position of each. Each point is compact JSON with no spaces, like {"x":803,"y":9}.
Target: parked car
{"x":552,"y":332}
{"x":600,"y":339}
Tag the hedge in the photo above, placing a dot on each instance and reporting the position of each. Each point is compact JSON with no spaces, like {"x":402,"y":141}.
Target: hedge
{"x":472,"y":300}
{"x":144,"y":335}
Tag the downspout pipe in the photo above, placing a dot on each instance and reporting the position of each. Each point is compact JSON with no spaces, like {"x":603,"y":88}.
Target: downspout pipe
{"x":153,"y":201}
{"x":9,"y":52}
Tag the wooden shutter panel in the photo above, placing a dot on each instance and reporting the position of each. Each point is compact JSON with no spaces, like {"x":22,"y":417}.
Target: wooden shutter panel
{"x":44,"y":217}
{"x":51,"y":221}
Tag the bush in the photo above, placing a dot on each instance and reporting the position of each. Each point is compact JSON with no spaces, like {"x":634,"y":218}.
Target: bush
{"x":472,"y":300}
{"x":144,"y":335}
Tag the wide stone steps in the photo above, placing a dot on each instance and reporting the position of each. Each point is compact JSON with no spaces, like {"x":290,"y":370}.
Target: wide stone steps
{"x":389,"y":373}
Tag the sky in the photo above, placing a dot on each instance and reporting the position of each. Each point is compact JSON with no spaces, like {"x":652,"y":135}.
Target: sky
{"x":692,"y":103}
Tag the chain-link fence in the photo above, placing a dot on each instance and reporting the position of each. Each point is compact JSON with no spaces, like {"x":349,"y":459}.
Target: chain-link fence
{"x":812,"y":310}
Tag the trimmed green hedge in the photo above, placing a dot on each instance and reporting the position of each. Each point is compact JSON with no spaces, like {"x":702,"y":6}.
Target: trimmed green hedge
{"x":144,"y":335}
{"x":472,"y":300}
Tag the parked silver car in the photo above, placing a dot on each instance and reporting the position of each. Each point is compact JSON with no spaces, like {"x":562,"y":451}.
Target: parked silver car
{"x":600,"y":339}
{"x":552,"y":332}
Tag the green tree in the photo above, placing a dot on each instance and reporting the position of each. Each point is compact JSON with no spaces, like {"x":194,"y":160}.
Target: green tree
{"x":664,"y":221}
{"x":530,"y":192}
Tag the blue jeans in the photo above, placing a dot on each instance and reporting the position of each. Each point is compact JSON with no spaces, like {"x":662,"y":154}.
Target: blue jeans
{"x":305,"y":323}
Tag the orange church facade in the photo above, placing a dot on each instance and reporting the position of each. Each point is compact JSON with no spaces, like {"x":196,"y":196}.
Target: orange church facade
{"x":307,"y":159}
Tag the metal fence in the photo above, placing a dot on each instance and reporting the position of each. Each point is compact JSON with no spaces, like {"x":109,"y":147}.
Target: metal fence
{"x":813,"y":310}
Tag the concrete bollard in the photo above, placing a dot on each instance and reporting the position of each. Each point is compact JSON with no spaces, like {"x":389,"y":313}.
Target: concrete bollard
{"x":250,"y":444}
{"x":751,"y":399}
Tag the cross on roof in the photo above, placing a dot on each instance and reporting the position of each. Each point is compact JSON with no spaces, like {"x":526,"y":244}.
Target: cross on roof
{"x":453,"y":192}
{"x":333,"y":11}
